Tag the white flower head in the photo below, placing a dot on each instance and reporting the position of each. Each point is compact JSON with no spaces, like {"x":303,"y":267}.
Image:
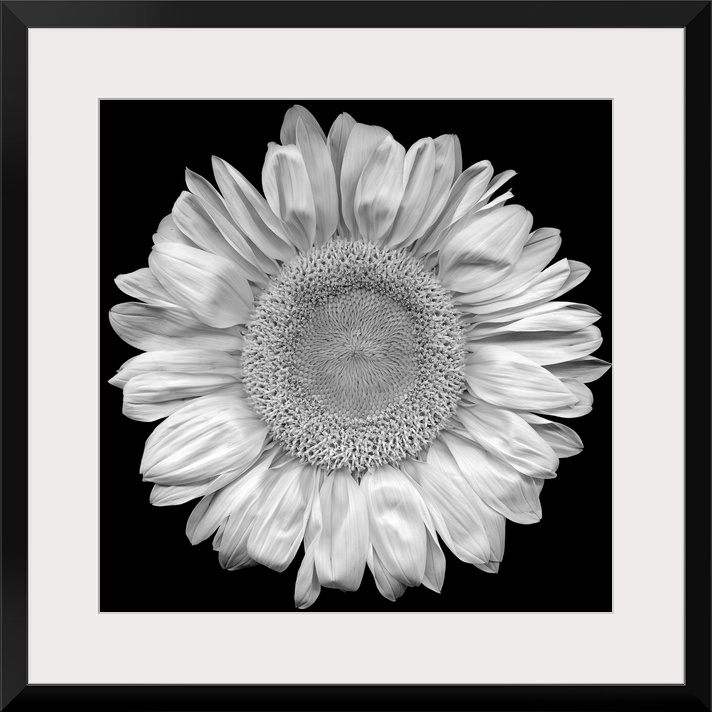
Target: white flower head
{"x":363,"y":361}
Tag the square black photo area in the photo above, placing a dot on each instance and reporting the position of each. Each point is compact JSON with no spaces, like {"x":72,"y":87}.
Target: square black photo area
{"x":561,"y":151}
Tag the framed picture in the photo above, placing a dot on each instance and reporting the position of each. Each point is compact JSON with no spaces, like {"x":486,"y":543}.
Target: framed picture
{"x":318,"y":307}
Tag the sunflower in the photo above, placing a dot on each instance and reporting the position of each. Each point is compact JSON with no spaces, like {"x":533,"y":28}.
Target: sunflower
{"x":364,"y":361}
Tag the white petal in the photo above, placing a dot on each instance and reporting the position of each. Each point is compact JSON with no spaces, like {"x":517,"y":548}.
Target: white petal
{"x":181,"y":361}
{"x":578,"y":271}
{"x":209,"y":436}
{"x":419,"y":171}
{"x":553,"y":316}
{"x":487,"y":323}
{"x":483,"y":249}
{"x":211,"y":287}
{"x":446,"y":170}
{"x":169,"y":495}
{"x":547,"y":347}
{"x":542,"y":288}
{"x":506,"y":435}
{"x":434,"y":575}
{"x":585,"y":369}
{"x":202,"y":189}
{"x":395,"y":519}
{"x":507,"y":379}
{"x":496,"y":183}
{"x":252,"y":214}
{"x":361,"y":144}
{"x":282,"y":516}
{"x":508,"y":492}
{"x":379,"y":190}
{"x":582,"y":406}
{"x":307,"y":587}
{"x":388,"y":586}
{"x":468,"y":190}
{"x":563,"y":440}
{"x":320,"y":170}
{"x":464,"y":195}
{"x":153,"y":328}
{"x":143,"y":285}
{"x":150,"y":396}
{"x":457,"y":149}
{"x":168,"y":231}
{"x":446,"y":491}
{"x":288,"y":133}
{"x":336,"y":143}
{"x":234,"y":532}
{"x":210,"y":216}
{"x":214,"y":509}
{"x":194,"y":218}
{"x":173,"y":495}
{"x":340,"y":555}
{"x":539,"y":250}
{"x":491,"y":521}
{"x":289,"y":194}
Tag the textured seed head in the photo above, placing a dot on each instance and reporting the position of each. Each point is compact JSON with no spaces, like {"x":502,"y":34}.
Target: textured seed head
{"x":354,"y":356}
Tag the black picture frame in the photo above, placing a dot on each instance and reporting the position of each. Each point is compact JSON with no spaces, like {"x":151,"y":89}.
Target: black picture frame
{"x":18,"y":17}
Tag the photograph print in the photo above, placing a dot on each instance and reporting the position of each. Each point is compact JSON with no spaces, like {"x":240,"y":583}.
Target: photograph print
{"x":349,"y":348}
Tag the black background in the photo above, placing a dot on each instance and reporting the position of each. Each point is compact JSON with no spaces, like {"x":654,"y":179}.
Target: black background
{"x":562,"y":153}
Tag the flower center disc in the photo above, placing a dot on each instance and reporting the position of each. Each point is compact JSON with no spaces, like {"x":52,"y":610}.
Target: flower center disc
{"x":354,"y":356}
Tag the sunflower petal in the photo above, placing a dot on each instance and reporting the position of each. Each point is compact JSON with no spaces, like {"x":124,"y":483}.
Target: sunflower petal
{"x":168,"y":231}
{"x":282,"y":516}
{"x":419,"y":171}
{"x":438,"y":479}
{"x":195,"y":220}
{"x":547,"y":347}
{"x":506,"y":435}
{"x":362,"y":142}
{"x":582,"y":405}
{"x":320,"y":170}
{"x":143,"y":285}
{"x":379,"y":190}
{"x":169,"y":495}
{"x":482,"y":249}
{"x":578,"y":271}
{"x":563,"y":440}
{"x":507,"y":379}
{"x":214,"y":508}
{"x":487,"y":325}
{"x":252,"y":214}
{"x":446,"y":170}
{"x":388,"y":586}
{"x":501,"y":487}
{"x":340,"y":555}
{"x":465,"y":193}
{"x":397,"y":530}
{"x":585,"y":369}
{"x":434,"y":575}
{"x":211,"y":435}
{"x":286,"y":184}
{"x":180,"y":361}
{"x":288,"y":132}
{"x":542,"y":288}
{"x":211,"y":287}
{"x":539,"y":250}
{"x":492,"y":522}
{"x":219,"y":234}
{"x":336,"y":144}
{"x":153,"y":328}
{"x":147,"y":394}
{"x":307,"y":587}
{"x":552,"y":316}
